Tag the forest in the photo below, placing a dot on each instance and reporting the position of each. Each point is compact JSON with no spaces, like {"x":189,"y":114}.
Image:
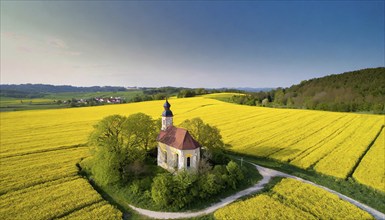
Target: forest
{"x":356,"y":91}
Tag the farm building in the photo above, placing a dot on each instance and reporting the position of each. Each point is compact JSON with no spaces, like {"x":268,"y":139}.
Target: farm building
{"x":177,"y":149}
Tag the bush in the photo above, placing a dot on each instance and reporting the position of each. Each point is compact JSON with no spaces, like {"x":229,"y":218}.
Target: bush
{"x":235,"y":174}
{"x":209,"y":185}
{"x":161,"y":189}
{"x":182,"y":189}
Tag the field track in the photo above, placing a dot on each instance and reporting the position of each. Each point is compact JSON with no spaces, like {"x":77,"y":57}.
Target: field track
{"x":267,"y":175}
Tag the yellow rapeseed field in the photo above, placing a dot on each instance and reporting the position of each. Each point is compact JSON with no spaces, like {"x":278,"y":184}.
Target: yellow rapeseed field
{"x":39,"y":149}
{"x":292,"y":199}
{"x":100,"y":210}
{"x":372,"y":167}
{"x":29,"y":170}
{"x":50,"y":200}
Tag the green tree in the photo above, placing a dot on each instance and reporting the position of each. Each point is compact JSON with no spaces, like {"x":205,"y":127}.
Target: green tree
{"x":208,"y":136}
{"x":279,"y":97}
{"x":265,"y":102}
{"x":185,"y":93}
{"x":185,"y":188}
{"x":208,"y":185}
{"x":235,"y":174}
{"x":161,"y":191}
{"x":140,"y":131}
{"x":121,"y":145}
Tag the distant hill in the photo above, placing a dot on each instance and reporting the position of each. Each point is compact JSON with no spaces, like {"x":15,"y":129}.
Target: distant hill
{"x":45,"y":88}
{"x":361,"y":90}
{"x":355,"y":91}
{"x":38,"y":90}
{"x":252,"y":89}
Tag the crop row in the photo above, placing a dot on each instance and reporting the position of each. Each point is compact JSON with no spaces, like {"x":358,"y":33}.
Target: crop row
{"x":100,"y":210}
{"x":372,"y":167}
{"x":24,"y":171}
{"x":292,"y":199}
{"x":347,"y":154}
{"x":49,"y":200}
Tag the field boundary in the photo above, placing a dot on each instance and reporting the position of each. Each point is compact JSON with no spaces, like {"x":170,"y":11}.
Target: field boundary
{"x":43,"y":150}
{"x":78,"y":209}
{"x":350,"y":174}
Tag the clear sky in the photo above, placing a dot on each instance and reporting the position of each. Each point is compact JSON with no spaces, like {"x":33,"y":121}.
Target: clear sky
{"x":187,"y":43}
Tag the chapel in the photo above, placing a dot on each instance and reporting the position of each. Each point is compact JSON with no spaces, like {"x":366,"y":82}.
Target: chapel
{"x":177,"y":149}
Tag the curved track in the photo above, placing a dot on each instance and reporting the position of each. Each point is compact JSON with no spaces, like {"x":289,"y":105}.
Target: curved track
{"x":267,"y":175}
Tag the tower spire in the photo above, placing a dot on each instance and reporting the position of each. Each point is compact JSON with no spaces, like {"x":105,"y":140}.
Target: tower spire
{"x":167,"y":116}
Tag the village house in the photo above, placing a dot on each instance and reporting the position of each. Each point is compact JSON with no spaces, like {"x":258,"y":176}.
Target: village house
{"x":177,"y":149}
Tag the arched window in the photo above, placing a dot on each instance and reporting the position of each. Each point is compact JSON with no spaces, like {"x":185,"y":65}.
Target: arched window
{"x":165,"y":156}
{"x":188,"y":162}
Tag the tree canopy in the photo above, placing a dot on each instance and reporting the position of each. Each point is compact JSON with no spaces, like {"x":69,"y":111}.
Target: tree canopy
{"x":356,"y":91}
{"x":208,"y":136}
{"x":120,"y":144}
{"x":185,"y":187}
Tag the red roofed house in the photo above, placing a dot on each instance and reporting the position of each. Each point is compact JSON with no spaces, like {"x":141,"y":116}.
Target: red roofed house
{"x":177,"y":149}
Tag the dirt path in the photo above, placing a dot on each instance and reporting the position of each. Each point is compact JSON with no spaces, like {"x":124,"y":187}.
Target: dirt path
{"x":267,"y":175}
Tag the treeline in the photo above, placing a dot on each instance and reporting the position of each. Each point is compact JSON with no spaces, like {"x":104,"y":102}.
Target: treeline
{"x":20,"y":94}
{"x":164,"y":92}
{"x":44,"y":88}
{"x":185,"y":93}
{"x":357,"y":91}
{"x":149,"y":93}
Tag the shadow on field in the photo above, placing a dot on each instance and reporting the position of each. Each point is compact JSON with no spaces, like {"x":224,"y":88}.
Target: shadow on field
{"x":267,"y":151}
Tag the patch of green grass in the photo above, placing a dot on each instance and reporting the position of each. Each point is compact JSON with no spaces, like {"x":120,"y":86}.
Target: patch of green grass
{"x":350,"y":187}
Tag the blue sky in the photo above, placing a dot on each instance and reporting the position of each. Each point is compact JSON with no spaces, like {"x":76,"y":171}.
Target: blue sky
{"x":186,"y":43}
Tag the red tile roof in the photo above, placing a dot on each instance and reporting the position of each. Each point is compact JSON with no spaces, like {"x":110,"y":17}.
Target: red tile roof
{"x":178,"y":138}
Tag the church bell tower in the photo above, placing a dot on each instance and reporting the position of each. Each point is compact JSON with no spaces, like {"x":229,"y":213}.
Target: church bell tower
{"x":166,"y":116}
